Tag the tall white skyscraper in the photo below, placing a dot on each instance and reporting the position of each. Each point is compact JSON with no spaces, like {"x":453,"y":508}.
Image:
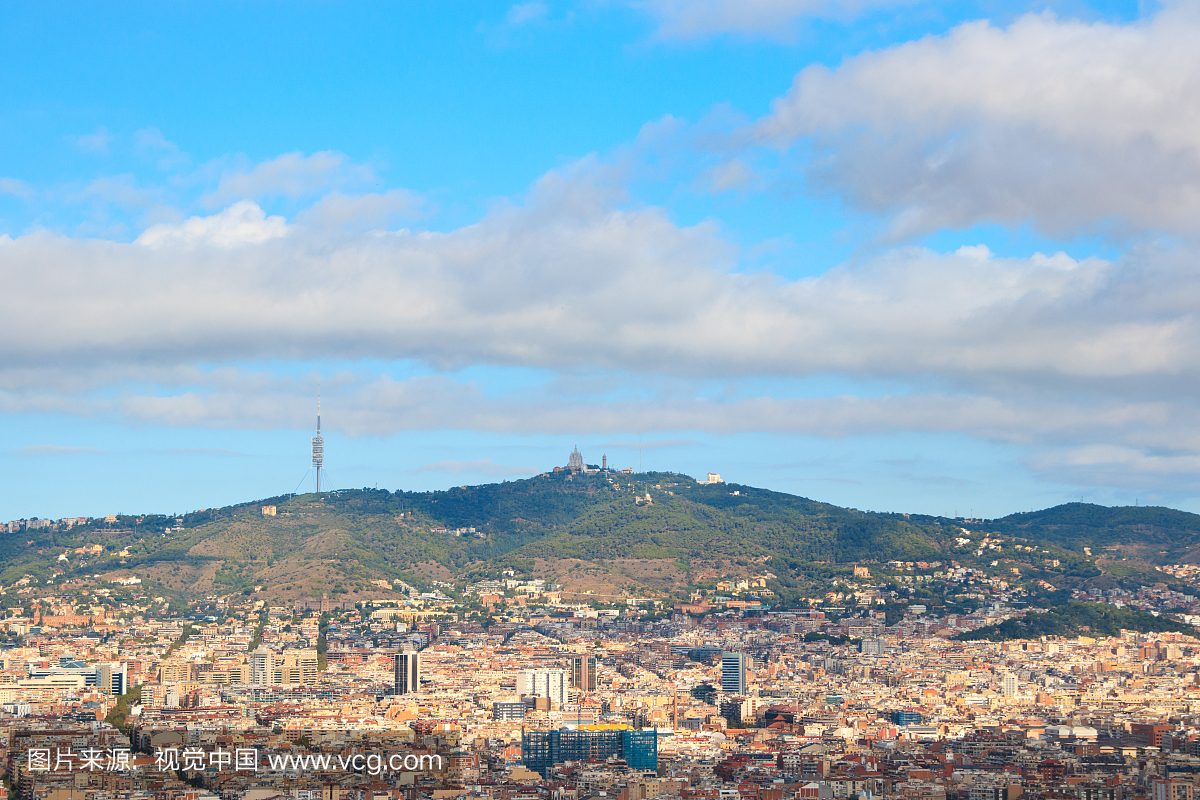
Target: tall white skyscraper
{"x":552,"y":683}
{"x":262,"y":667}
{"x":1010,"y":685}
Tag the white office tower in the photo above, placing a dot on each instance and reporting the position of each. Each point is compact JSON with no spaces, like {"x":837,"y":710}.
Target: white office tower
{"x":733,"y":673}
{"x":407,"y":672}
{"x":262,"y":667}
{"x":1010,"y":685}
{"x":551,"y":683}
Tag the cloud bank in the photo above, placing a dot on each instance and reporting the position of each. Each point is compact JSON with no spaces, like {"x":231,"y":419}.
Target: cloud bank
{"x":759,"y":19}
{"x":565,"y":284}
{"x":1065,"y":125}
{"x":1089,"y":364}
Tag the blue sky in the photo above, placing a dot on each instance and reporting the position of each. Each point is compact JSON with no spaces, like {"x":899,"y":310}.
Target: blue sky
{"x":917,"y":256}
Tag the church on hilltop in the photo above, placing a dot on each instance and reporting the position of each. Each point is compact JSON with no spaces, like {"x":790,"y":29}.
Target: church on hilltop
{"x":576,"y":464}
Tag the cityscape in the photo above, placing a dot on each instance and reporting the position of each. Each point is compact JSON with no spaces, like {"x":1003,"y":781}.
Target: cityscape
{"x":512,"y":687}
{"x":600,"y":400}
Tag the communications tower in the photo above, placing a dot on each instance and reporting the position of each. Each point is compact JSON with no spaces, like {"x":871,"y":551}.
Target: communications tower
{"x":318,"y":444}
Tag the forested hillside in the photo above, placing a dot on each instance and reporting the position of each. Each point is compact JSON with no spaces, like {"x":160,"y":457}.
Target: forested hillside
{"x":597,"y":531}
{"x":1079,"y":525}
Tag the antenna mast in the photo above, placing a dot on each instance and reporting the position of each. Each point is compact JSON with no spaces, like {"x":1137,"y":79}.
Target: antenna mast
{"x":318,"y":447}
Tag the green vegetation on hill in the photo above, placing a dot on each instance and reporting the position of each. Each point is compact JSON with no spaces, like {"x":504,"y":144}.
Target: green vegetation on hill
{"x":709,"y":521}
{"x":1079,"y":525}
{"x":1077,"y":619}
{"x":359,"y":543}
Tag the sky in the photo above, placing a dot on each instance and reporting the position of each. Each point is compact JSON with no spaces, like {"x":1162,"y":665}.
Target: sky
{"x":933,"y":256}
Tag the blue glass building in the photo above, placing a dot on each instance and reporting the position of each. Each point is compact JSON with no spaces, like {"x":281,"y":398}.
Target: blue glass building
{"x":541,"y":750}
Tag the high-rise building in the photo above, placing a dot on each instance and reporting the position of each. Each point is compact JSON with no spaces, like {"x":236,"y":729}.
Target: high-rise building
{"x":296,"y":668}
{"x":1010,"y":685}
{"x":262,"y":667}
{"x":733,"y":673}
{"x":407,"y":672}
{"x":583,"y":673}
{"x":112,"y":679}
{"x":549,"y":683}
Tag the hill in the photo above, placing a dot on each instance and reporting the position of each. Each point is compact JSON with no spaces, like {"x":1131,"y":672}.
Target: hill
{"x":597,"y":536}
{"x":1140,"y":530}
{"x":1073,"y":619}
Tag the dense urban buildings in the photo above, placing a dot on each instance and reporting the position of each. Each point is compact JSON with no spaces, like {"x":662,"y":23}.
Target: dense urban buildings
{"x":554,"y":695}
{"x":507,"y":686}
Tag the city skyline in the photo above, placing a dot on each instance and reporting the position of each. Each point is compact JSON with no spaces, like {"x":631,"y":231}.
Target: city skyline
{"x":600,"y":400}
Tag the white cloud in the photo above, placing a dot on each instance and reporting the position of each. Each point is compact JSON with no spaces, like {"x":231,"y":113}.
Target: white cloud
{"x":360,"y":212}
{"x":1045,"y":351}
{"x":1069,"y":438}
{"x":122,"y":190}
{"x":1129,"y":468}
{"x":1066,"y":125}
{"x":291,"y":175}
{"x":648,"y":445}
{"x":15,"y":187}
{"x":240,"y":224}
{"x":567,"y":281}
{"x":93,"y":142}
{"x":151,"y":142}
{"x":768,"y":19}
{"x":525,"y":13}
{"x":54,"y":450}
{"x":1070,"y":441}
{"x":728,"y":175}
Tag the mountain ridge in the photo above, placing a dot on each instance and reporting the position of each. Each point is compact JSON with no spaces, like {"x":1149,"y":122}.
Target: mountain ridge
{"x":592,"y":530}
